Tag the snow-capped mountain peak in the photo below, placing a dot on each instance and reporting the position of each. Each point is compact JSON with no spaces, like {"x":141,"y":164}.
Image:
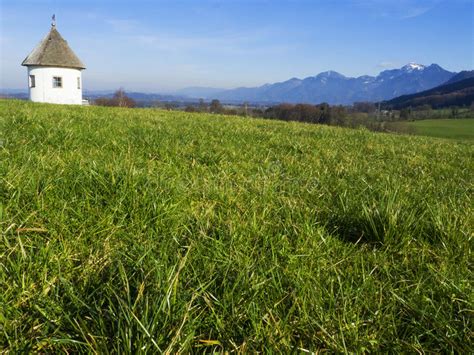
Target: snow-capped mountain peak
{"x":413,"y":66}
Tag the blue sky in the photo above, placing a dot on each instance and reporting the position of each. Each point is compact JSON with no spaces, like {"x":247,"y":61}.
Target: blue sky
{"x":162,"y":45}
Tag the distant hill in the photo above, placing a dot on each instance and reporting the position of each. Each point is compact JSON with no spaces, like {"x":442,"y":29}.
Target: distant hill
{"x":459,"y":93}
{"x":142,"y":99}
{"x":465,"y":74}
{"x":20,"y":94}
{"x":137,"y":96}
{"x":335,"y":88}
{"x":198,"y":92}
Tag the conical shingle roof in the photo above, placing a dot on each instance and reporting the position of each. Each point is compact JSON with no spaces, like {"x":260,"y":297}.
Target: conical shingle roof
{"x":53,"y":51}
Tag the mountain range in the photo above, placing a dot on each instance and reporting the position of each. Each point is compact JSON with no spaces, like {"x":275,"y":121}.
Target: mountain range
{"x":334,"y":88}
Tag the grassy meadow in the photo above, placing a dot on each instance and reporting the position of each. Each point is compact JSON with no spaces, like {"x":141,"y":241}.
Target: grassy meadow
{"x":148,"y":231}
{"x":445,"y":128}
{"x":457,"y":129}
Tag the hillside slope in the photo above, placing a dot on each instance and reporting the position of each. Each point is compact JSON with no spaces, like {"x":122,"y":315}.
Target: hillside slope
{"x":153,"y":231}
{"x":465,"y":74}
{"x":459,"y":93}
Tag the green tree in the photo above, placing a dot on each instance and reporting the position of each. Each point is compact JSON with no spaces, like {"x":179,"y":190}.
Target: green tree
{"x":216,"y":106}
{"x":405,"y":113}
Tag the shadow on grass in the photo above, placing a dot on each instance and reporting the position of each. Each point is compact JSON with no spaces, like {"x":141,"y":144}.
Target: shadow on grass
{"x":377,"y":227}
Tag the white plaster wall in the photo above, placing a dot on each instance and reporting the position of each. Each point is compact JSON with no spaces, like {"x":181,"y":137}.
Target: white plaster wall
{"x":44,"y":90}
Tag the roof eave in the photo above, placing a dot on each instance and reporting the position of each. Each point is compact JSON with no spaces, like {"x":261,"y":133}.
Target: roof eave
{"x":52,"y":66}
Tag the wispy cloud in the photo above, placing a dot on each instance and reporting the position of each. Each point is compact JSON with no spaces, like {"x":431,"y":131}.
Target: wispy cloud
{"x":241,"y":42}
{"x":401,"y":9}
{"x":415,"y":12}
{"x":122,"y":25}
{"x":234,"y":43}
{"x":386,"y":65}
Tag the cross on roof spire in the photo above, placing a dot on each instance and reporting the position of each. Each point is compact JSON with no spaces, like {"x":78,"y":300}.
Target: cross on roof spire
{"x":53,"y":20}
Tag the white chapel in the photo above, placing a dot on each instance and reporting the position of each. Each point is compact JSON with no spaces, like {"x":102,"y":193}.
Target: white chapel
{"x":54,"y":71}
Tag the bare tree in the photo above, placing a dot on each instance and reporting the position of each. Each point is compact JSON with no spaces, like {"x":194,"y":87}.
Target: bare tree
{"x":119,"y":99}
{"x":122,"y":100}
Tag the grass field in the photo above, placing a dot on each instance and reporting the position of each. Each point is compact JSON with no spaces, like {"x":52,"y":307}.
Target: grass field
{"x":444,"y":128}
{"x":138,"y":231}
